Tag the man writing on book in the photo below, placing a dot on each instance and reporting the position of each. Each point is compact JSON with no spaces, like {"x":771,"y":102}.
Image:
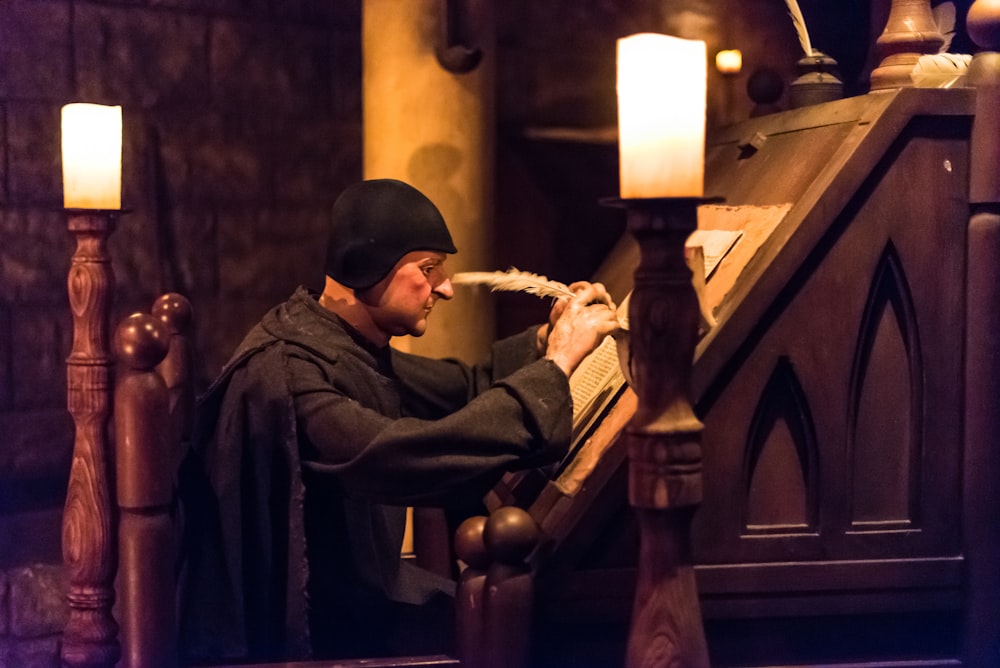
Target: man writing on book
{"x":318,"y":434}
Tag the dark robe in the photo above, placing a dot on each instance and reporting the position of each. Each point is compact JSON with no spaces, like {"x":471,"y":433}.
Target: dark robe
{"x":306,"y":452}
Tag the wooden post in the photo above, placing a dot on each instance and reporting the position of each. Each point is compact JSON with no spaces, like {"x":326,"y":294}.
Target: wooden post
{"x":447,"y":149}
{"x":470,"y":617}
{"x":145,"y":459}
{"x":664,"y":437}
{"x":981,"y":503}
{"x":510,"y":534}
{"x":88,"y":533}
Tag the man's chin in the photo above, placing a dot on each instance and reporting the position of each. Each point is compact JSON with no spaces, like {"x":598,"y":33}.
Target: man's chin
{"x":418,"y":329}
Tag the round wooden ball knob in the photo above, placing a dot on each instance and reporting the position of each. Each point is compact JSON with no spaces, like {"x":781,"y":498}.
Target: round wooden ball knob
{"x":510,"y":534}
{"x":469,"y":545}
{"x":141,"y":341}
{"x":983,"y":23}
{"x":765,"y":86}
{"x":174,"y":310}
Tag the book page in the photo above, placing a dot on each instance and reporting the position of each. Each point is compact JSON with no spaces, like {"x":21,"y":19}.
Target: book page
{"x":599,"y":379}
{"x":736,"y":232}
{"x":598,"y":372}
{"x":595,"y":383}
{"x":715,"y":244}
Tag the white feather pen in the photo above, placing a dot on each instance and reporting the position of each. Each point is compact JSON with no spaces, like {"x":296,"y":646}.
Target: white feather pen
{"x":799,"y":22}
{"x":514,"y":280}
{"x":940,"y":70}
{"x":944,"y":16}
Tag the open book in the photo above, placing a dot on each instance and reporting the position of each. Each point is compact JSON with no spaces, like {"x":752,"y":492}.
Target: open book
{"x":600,"y":377}
{"x":599,"y":381}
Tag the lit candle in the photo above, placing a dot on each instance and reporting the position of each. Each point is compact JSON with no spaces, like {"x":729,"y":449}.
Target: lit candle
{"x":92,"y":156}
{"x":729,"y":61}
{"x":661,"y":116}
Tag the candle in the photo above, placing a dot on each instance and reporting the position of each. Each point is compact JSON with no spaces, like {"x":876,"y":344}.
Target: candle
{"x":661,"y":116}
{"x":729,"y":61}
{"x":92,"y":156}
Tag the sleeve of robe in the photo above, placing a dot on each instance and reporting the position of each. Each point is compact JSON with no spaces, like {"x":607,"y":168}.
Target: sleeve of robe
{"x":475,"y":423}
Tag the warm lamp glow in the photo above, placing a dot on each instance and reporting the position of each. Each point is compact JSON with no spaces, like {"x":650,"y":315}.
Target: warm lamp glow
{"x":729,"y":61}
{"x":661,"y":116}
{"x":92,"y":156}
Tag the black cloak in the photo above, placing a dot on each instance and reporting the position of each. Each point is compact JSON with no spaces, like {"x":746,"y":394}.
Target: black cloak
{"x":306,"y":450}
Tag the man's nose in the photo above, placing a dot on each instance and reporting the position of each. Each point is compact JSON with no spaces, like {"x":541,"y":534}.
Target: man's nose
{"x":444,"y":289}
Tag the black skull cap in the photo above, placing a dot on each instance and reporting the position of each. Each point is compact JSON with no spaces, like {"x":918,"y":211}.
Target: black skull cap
{"x":375,"y":223}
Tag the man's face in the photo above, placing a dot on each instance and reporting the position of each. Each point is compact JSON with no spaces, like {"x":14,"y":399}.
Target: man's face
{"x":400,"y":303}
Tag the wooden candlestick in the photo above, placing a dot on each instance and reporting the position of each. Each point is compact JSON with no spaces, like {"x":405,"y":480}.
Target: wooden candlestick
{"x":88,"y":538}
{"x":664,"y":437}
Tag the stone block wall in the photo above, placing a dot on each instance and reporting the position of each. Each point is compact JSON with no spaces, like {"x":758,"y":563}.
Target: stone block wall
{"x":32,"y":615}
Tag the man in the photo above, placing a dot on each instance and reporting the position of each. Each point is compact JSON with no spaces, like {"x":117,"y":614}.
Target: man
{"x":318,"y":434}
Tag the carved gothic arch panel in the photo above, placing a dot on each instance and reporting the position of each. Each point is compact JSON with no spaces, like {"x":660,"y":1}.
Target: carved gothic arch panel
{"x":781,"y":459}
{"x":886,"y":405}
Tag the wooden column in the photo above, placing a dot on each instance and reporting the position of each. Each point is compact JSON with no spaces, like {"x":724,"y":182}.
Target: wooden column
{"x":981,"y":511}
{"x":910,"y":32}
{"x":88,"y":535}
{"x":664,"y":438}
{"x":429,"y":120}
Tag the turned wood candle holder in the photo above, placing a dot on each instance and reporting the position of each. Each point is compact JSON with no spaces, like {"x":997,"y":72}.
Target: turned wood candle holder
{"x":88,"y":533}
{"x":664,"y":436}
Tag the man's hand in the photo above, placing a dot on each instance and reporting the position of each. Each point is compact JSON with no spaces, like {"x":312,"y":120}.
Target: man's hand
{"x":560,"y":305}
{"x":578,"y":325}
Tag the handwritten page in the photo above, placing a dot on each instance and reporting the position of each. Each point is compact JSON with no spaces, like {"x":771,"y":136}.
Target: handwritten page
{"x":715,"y":244}
{"x":600,"y":379}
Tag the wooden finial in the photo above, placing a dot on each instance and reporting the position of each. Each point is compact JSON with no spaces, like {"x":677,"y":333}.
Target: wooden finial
{"x":983,"y":24}
{"x":141,"y":341}
{"x":174,"y":311}
{"x":469,"y":545}
{"x":510,"y":534}
{"x":910,"y":32}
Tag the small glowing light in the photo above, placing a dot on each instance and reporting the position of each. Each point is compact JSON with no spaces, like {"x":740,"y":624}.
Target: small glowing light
{"x":729,"y":61}
{"x":92,"y":156}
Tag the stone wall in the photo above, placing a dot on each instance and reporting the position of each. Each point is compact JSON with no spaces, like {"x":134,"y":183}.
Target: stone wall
{"x":32,"y":615}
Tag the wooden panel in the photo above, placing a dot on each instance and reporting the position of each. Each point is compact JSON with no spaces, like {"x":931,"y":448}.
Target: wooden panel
{"x":778,"y":171}
{"x":831,"y":396}
{"x":749,"y":591}
{"x":885,"y":445}
{"x":781,"y":454}
{"x":887,"y":273}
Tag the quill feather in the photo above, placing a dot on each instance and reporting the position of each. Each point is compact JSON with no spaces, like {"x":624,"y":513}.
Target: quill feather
{"x":514,"y":280}
{"x":944,"y":16}
{"x":799,"y":22}
{"x":940,"y":70}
